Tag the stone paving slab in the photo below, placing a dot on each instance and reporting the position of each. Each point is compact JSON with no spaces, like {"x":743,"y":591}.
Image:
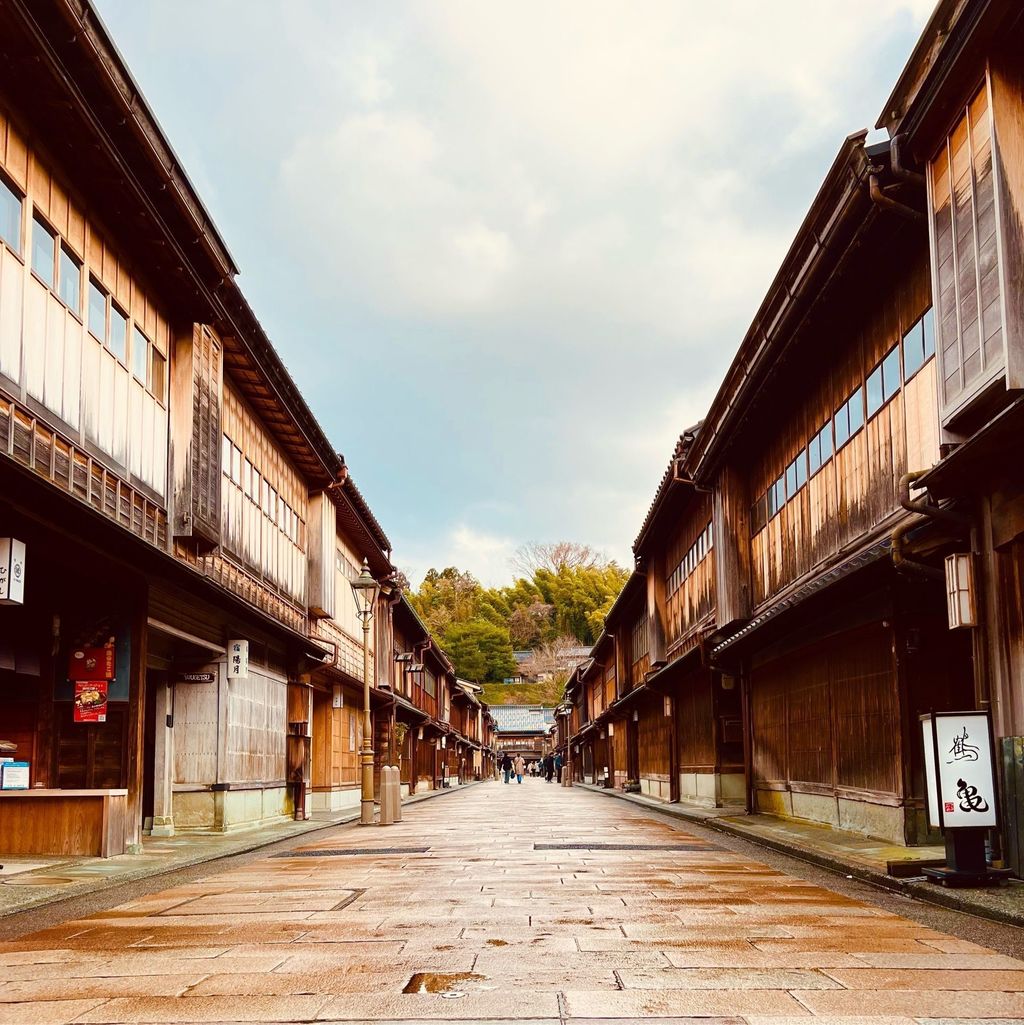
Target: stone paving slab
{"x":492,"y":930}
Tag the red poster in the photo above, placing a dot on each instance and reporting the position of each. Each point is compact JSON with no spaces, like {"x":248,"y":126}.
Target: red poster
{"x":90,"y":701}
{"x":91,"y":664}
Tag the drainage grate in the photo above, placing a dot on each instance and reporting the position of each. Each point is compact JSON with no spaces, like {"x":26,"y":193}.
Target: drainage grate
{"x":624,"y":847}
{"x":345,"y":852}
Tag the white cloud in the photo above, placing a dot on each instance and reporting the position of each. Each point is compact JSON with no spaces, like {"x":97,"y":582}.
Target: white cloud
{"x":534,"y":230}
{"x":487,"y":556}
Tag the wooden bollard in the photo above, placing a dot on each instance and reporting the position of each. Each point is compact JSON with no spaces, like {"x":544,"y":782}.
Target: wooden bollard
{"x":387,"y":801}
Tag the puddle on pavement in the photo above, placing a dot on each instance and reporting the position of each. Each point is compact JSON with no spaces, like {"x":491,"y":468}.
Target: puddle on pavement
{"x":31,"y":880}
{"x":451,"y":985}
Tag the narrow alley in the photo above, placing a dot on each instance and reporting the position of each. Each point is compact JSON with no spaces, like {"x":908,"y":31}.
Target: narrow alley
{"x":505,"y":903}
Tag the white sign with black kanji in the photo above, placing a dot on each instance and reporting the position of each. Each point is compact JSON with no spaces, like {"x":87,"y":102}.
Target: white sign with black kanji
{"x":959,"y":772}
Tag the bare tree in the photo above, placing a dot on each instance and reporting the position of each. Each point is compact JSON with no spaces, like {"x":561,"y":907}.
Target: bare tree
{"x":554,"y":556}
{"x":527,"y":623}
{"x":553,"y":659}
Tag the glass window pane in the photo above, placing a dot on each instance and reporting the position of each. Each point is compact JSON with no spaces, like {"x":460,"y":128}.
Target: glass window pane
{"x":856,"y":406}
{"x":891,"y":373}
{"x":42,"y":251}
{"x":791,"y":479}
{"x":825,"y":442}
{"x":158,"y":374}
{"x":97,"y":311}
{"x":780,"y":492}
{"x":140,"y":355}
{"x":913,"y":351}
{"x":928,"y":324}
{"x":875,"y":391}
{"x":70,"y":281}
{"x":10,"y":217}
{"x":118,"y":341}
{"x":801,"y":469}
{"x":842,"y":422}
{"x":814,"y":454}
{"x":770,"y":502}
{"x":225,"y":454}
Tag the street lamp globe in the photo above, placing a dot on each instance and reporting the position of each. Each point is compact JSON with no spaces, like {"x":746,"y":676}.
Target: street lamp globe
{"x":365,"y":590}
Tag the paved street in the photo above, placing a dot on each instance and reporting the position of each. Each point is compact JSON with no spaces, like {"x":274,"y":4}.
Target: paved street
{"x":475,"y":913}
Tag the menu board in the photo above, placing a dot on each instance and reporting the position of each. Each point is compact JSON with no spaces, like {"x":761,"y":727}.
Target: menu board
{"x":91,"y":700}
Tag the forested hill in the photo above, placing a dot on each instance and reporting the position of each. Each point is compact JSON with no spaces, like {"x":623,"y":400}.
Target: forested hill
{"x":560,"y":598}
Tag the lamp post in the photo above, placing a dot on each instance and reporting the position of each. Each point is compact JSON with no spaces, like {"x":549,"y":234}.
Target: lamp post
{"x":365,"y":590}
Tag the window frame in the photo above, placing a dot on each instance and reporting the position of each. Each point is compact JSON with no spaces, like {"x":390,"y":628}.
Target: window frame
{"x":116,"y":308}
{"x":8,"y":183}
{"x":65,"y":254}
{"x":39,"y":220}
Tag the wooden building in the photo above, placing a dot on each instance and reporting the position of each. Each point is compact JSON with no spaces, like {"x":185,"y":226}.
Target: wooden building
{"x":789,"y":603}
{"x":173,"y":659}
{"x":957,"y":117}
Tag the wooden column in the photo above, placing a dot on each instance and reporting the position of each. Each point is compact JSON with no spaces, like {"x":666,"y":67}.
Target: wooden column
{"x":135,"y":740}
{"x":163,"y":760}
{"x":731,"y":528}
{"x":656,"y":609}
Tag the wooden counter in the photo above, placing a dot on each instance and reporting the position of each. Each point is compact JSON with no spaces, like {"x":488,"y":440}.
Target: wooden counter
{"x":89,"y":822}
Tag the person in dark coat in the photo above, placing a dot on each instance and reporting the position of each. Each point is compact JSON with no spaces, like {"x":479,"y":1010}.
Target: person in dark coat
{"x":506,"y":767}
{"x":549,"y":767}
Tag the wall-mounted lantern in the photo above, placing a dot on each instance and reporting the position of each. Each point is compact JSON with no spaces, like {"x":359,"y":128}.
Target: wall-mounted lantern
{"x":12,"y":571}
{"x":961,"y":606}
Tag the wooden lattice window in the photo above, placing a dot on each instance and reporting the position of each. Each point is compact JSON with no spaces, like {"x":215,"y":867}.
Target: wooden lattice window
{"x":966,"y":259}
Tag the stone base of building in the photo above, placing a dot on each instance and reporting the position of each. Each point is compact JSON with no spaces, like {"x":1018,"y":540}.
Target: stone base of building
{"x":713,"y":789}
{"x":659,"y":789}
{"x":227,"y":811}
{"x":884,"y":822}
{"x":335,"y":799}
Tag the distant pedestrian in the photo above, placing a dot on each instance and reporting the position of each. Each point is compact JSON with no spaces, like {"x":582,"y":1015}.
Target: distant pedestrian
{"x":506,"y":767}
{"x":549,"y":767}
{"x":520,"y":768}
{"x":558,"y":768}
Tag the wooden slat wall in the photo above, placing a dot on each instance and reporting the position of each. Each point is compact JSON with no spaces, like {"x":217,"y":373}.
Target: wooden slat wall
{"x":858,"y":487}
{"x":195,"y":731}
{"x":969,"y":321}
{"x":694,"y":602}
{"x":47,"y":351}
{"x":695,"y":719}
{"x":246,"y":531}
{"x":654,"y":740}
{"x":826,"y":717}
{"x":256,"y":728}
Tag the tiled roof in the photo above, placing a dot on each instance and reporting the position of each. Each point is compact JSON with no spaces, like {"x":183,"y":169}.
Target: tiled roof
{"x":522,"y":718}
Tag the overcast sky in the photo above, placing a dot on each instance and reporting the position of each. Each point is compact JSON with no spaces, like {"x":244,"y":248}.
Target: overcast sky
{"x":508,"y":249}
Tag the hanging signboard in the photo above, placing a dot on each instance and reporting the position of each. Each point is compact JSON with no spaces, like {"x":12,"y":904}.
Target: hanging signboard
{"x":959,"y":773}
{"x":201,"y":677}
{"x":12,"y":571}
{"x":238,"y":660}
{"x":90,"y":701}
{"x":91,"y":664}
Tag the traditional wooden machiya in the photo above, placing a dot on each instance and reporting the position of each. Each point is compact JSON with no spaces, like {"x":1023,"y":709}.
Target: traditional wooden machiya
{"x":956,"y":115}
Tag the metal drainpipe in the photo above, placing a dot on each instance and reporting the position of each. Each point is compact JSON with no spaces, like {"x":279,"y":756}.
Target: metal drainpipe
{"x":902,"y":562}
{"x":899,"y":170}
{"x":887,"y":203}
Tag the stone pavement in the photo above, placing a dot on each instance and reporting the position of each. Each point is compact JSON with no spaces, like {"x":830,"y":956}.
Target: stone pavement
{"x":887,"y":865}
{"x":35,"y":881}
{"x":473,"y":908}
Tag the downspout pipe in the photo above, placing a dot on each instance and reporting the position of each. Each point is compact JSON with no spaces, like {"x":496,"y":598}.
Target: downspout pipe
{"x":926,"y":512}
{"x":879,"y":198}
{"x":899,"y":170}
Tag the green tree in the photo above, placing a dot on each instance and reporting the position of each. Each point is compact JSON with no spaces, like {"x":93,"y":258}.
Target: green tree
{"x":479,"y":650}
